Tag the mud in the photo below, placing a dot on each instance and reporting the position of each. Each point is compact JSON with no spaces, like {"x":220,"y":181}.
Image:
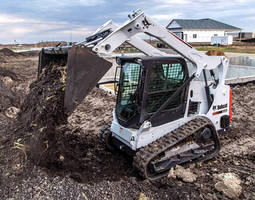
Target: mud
{"x":82,"y":169}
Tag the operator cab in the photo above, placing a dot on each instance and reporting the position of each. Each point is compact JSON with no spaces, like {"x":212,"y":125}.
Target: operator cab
{"x":145,"y":84}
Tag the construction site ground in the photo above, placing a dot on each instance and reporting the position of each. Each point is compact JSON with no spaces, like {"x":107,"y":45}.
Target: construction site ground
{"x":91,"y":172}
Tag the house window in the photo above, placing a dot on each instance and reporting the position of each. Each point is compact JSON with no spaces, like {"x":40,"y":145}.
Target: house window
{"x":178,"y":34}
{"x":215,"y":34}
{"x":194,"y":35}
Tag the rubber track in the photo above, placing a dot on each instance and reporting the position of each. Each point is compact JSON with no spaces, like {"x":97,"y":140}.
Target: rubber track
{"x":105,"y":136}
{"x":147,"y":153}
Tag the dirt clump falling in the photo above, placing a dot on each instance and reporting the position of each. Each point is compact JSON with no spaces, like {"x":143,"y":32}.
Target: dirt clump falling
{"x":42,"y":111}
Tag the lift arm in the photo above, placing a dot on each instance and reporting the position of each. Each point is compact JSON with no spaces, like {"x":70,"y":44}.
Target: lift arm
{"x":140,"y":23}
{"x":100,"y":34}
{"x":135,"y":41}
{"x":86,"y":66}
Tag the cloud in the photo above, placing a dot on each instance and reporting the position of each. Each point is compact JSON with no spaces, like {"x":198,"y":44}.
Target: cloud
{"x":33,"y":21}
{"x":172,"y":2}
{"x":7,"y":19}
{"x":90,"y":2}
{"x":68,"y":3}
{"x":25,"y":30}
{"x":59,"y":4}
{"x":231,"y":12}
{"x":164,"y":19}
{"x":166,"y":16}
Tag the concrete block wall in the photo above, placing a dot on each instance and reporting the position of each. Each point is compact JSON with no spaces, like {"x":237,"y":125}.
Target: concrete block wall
{"x":242,"y":60}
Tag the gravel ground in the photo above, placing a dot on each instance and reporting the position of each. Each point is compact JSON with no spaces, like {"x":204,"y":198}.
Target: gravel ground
{"x":99,"y":174}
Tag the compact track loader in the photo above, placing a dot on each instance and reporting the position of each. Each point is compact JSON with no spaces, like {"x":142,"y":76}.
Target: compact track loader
{"x":169,"y":108}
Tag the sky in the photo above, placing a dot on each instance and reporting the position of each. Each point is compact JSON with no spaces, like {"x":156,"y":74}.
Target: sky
{"x":31,"y":21}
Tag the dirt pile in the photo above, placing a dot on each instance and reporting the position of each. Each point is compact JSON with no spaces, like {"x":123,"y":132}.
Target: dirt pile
{"x":55,"y":142}
{"x":41,"y":126}
{"x":7,"y":73}
{"x":30,"y":53}
{"x":8,"y":98}
{"x":215,"y":53}
{"x":2,"y":59}
{"x":7,"y":52}
{"x":42,"y":111}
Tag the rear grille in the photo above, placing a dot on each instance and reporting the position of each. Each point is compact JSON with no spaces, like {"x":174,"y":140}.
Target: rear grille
{"x":193,"y":107}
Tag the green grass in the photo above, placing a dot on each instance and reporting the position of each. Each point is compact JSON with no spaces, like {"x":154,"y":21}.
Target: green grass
{"x":228,"y":49}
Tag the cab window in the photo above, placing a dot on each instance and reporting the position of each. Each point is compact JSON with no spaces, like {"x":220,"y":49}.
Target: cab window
{"x":164,"y":80}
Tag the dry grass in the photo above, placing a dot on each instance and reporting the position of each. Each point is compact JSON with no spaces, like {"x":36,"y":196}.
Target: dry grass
{"x":234,"y":49}
{"x":18,"y":145}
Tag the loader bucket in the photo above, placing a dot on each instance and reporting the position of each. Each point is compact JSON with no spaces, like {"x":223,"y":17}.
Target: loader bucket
{"x":84,"y":69}
{"x":48,"y":57}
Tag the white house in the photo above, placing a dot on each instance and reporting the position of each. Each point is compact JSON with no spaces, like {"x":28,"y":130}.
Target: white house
{"x":199,"y":30}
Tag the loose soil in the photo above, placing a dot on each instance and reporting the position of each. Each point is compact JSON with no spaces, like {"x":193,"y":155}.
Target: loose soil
{"x":7,"y":52}
{"x":41,"y":112}
{"x":67,"y":162}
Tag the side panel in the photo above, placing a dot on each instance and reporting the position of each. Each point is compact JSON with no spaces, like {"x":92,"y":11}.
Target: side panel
{"x":126,"y":135}
{"x":148,"y":136}
{"x":220,"y":106}
{"x":197,"y":90}
{"x":136,"y":139}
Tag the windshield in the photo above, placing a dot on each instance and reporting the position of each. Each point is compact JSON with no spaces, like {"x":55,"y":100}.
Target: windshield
{"x":127,"y":102}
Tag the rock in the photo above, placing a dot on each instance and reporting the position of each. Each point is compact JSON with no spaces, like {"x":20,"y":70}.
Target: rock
{"x":133,"y":180}
{"x":61,"y":158}
{"x":7,"y":80}
{"x":12,"y":112}
{"x":229,"y":184}
{"x":180,"y":172}
{"x":142,"y":197}
{"x":21,"y":87}
{"x":250,"y":180}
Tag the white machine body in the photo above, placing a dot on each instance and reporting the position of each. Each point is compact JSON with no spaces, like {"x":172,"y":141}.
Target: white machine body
{"x":147,"y":134}
{"x":196,"y":61}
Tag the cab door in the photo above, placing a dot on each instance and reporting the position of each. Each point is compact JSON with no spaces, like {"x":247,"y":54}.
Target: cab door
{"x":164,"y":77}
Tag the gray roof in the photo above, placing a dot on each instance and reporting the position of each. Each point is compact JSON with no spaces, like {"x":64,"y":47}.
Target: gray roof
{"x":203,"y":24}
